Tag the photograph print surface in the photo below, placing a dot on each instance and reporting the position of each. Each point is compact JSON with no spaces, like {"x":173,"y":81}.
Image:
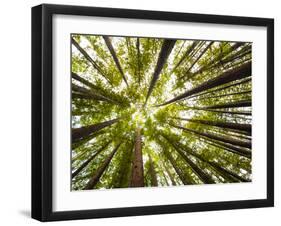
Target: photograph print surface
{"x":154,"y":112}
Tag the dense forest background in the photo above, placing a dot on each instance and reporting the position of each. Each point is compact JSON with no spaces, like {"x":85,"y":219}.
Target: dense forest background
{"x":159,"y":112}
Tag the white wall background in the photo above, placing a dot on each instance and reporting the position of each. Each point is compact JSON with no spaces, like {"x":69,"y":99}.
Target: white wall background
{"x":15,"y":45}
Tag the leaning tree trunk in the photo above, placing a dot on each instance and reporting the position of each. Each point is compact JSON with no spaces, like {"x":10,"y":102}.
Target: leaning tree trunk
{"x":224,"y":95}
{"x":243,"y":103}
{"x":83,"y":140}
{"x":186,"y":54}
{"x":233,"y":177}
{"x":195,"y":61}
{"x":87,"y":56}
{"x":217,"y":59}
{"x":239,"y":82}
{"x":226,"y":77}
{"x":248,"y":113}
{"x":225,"y":172}
{"x":227,"y":125}
{"x":137,"y":179}
{"x":115,"y":58}
{"x":138,"y":59}
{"x":99,"y":172}
{"x":162,"y":58}
{"x":84,"y":164}
{"x":152,"y":172}
{"x":182,"y":177}
{"x":93,"y":88}
{"x":169,"y":174}
{"x":229,"y":140}
{"x":84,"y":93}
{"x":205,"y":178}
{"x":229,"y":147}
{"x":84,"y":81}
{"x":222,"y":88}
{"x":82,"y":132}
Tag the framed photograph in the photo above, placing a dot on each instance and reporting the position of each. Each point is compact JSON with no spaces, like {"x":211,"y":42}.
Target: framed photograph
{"x":146,"y":112}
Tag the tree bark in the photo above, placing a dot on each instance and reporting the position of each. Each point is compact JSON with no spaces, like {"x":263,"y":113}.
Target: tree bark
{"x":226,"y":77}
{"x":99,"y":172}
{"x":137,"y":179}
{"x":166,"y":49}
{"x":78,"y":133}
{"x":115,"y":58}
{"x":84,"y":164}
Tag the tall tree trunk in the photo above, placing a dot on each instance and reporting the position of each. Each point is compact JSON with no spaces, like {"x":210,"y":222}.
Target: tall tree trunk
{"x":181,"y":175}
{"x":228,"y":125}
{"x":229,"y":140}
{"x":217,"y":59}
{"x":97,"y":90}
{"x":229,"y":147}
{"x":212,"y":91}
{"x":137,"y":179}
{"x":124,"y":180}
{"x":90,"y":94}
{"x":225,"y":172}
{"x":243,"y":103}
{"x":166,"y":49}
{"x":186,"y":54}
{"x":99,"y":172}
{"x":87,"y":56}
{"x":205,"y":178}
{"x":222,"y":88}
{"x":152,"y":172}
{"x":165,"y":178}
{"x":169,"y":174}
{"x":78,"y":133}
{"x":226,"y":77}
{"x":231,"y":57}
{"x":84,"y":164}
{"x":221,"y":111}
{"x":84,"y":81}
{"x":223,"y":95}
{"x":83,"y":140}
{"x":138,"y":59}
{"x":115,"y":58}
{"x":196,"y":60}
{"x":222,"y":171}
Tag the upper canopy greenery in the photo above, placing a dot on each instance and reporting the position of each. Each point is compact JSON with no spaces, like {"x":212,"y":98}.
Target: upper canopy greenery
{"x":158,"y":112}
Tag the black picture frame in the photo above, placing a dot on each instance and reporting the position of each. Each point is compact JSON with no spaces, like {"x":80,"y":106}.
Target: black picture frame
{"x":42,"y":111}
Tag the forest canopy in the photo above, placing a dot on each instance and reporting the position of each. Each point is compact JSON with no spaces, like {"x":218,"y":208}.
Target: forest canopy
{"x":150,"y":112}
